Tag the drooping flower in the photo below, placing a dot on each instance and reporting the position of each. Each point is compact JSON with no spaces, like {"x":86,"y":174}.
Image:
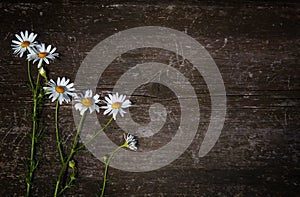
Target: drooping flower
{"x":60,"y":90}
{"x":87,"y":101}
{"x":115,"y":104}
{"x":42,"y":53}
{"x":130,"y":141}
{"x":24,"y":42}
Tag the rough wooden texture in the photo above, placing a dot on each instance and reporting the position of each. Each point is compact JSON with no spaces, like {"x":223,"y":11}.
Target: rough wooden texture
{"x":257,"y":153}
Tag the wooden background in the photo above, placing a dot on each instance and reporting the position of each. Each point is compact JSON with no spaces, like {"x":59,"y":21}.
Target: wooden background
{"x":257,"y":153}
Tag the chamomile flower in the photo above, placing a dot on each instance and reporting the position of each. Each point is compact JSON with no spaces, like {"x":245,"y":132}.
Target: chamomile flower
{"x":130,"y":142}
{"x":60,"y":90}
{"x":87,"y":101}
{"x":24,"y":42}
{"x":115,"y":104}
{"x":42,"y":53}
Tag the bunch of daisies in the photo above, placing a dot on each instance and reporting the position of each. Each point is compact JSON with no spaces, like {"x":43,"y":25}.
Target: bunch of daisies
{"x":63,"y":90}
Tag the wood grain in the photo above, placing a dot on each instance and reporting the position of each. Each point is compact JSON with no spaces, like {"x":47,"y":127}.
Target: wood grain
{"x":256,"y":48}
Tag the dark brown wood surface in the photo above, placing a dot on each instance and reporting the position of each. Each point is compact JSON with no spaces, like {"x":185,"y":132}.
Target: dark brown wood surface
{"x":256,"y":48}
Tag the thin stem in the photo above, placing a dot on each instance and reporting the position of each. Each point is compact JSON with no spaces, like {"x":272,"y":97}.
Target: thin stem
{"x":29,"y":75}
{"x":69,"y":184}
{"x":65,"y":163}
{"x":96,"y":134}
{"x":106,"y":167}
{"x":33,"y":164}
{"x":32,"y":152}
{"x":61,"y":172}
{"x":78,"y":131}
{"x":37,"y":83}
{"x":61,"y":156}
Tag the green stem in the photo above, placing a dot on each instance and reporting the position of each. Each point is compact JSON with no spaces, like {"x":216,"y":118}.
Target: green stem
{"x":69,"y":184}
{"x":32,"y":152}
{"x":61,"y":172}
{"x":33,"y":164}
{"x":37,"y":83}
{"x":61,"y":156}
{"x":78,"y":131}
{"x":29,"y":75}
{"x":96,"y":134}
{"x":65,"y":163}
{"x":106,"y":167}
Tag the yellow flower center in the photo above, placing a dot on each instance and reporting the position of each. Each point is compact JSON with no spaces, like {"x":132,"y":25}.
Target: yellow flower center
{"x":60,"y":89}
{"x":116,"y":105}
{"x":87,"y":102}
{"x":42,"y":54}
{"x":25,"y":44}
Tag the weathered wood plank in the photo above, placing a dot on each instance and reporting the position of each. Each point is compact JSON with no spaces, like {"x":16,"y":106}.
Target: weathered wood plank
{"x":256,"y":48}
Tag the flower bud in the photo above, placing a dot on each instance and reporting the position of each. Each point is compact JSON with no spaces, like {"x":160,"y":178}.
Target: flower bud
{"x":72,"y":164}
{"x":43,"y":73}
{"x":105,"y":158}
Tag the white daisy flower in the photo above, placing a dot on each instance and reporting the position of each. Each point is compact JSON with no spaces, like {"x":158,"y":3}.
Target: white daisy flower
{"x":87,"y":101}
{"x":115,"y":104}
{"x":130,"y":142}
{"x":42,"y":53}
{"x":24,"y":42}
{"x":60,"y":90}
